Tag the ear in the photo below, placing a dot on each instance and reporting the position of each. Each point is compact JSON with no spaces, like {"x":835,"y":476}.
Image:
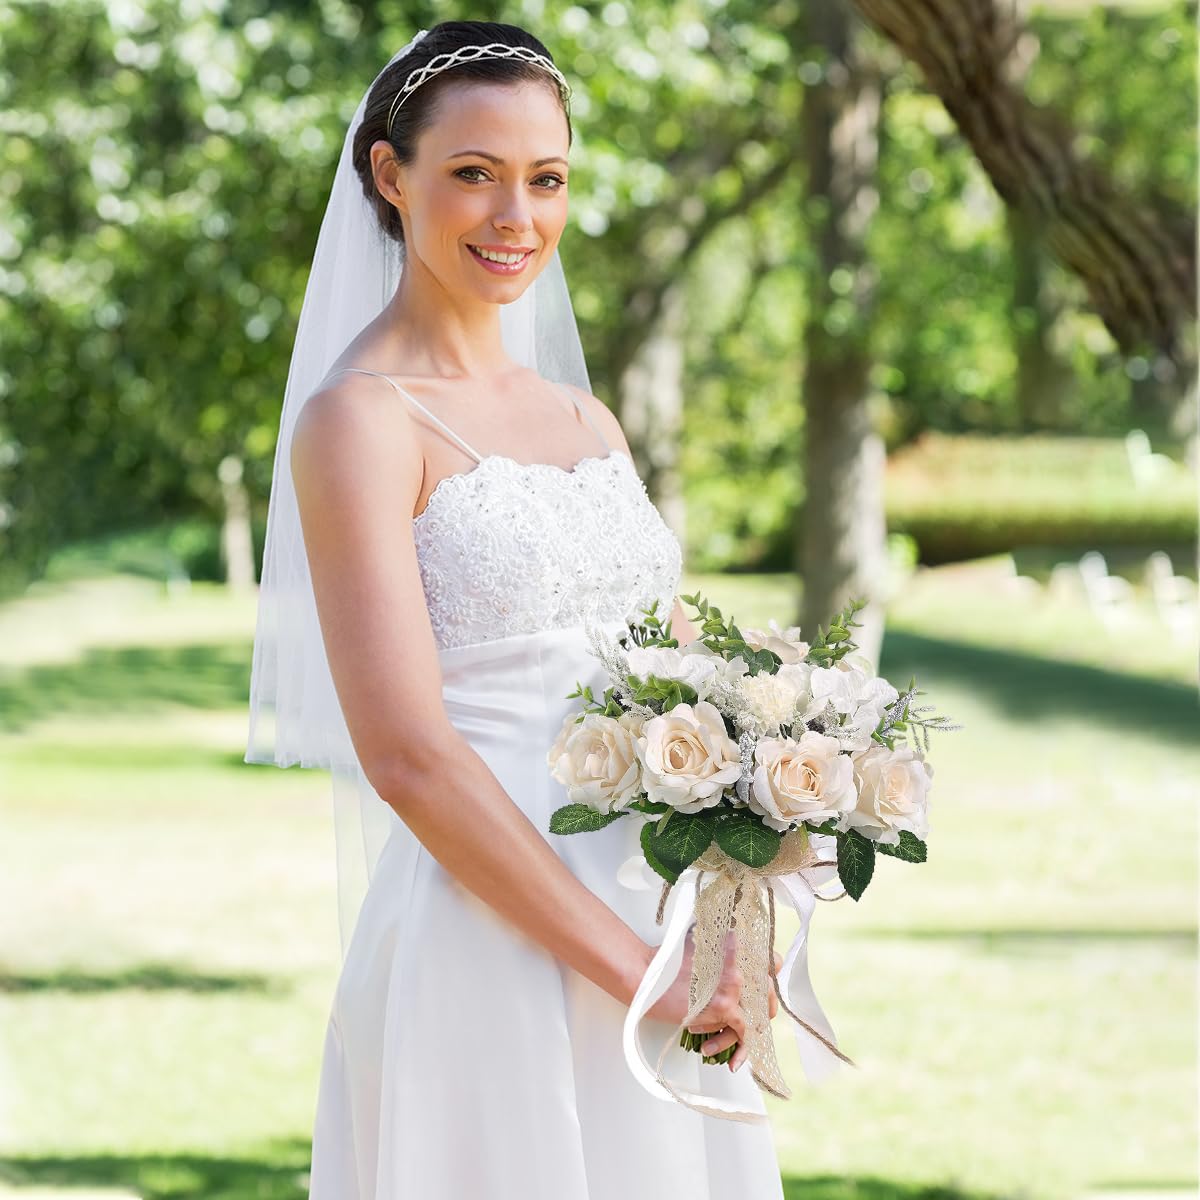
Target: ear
{"x":388,"y":174}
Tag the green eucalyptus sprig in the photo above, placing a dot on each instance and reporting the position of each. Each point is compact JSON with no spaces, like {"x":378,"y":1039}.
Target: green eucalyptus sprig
{"x":662,"y":695}
{"x":610,"y":708}
{"x":725,"y":638}
{"x":650,"y":632}
{"x":835,"y":642}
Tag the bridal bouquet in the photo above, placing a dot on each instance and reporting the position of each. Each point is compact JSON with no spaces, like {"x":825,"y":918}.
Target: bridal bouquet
{"x":748,"y":754}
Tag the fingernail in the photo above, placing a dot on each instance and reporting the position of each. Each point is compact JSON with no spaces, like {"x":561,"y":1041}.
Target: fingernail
{"x":708,"y":1047}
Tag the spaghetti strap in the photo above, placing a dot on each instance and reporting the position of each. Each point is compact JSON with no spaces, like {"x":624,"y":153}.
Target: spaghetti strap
{"x":436,"y":420}
{"x":587,"y":416}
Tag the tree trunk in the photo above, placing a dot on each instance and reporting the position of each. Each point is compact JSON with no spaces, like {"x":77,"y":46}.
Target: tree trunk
{"x":1044,"y":383}
{"x":842,"y":545}
{"x":1135,"y":255}
{"x":652,"y":409}
{"x":237,"y":547}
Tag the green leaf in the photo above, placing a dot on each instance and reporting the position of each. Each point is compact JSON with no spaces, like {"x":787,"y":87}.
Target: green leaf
{"x":661,"y":868}
{"x":580,"y":818}
{"x":747,"y":839}
{"x":855,"y":862}
{"x":684,"y":839}
{"x":910,"y":849}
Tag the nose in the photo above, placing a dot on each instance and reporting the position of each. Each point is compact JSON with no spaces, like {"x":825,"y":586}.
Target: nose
{"x":517,"y":216}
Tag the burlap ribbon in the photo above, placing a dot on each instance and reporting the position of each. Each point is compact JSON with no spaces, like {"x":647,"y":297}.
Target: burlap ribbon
{"x":740,"y":897}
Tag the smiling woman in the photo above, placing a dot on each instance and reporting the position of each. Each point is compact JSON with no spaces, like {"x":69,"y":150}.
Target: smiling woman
{"x":474,"y":1041}
{"x":447,"y":76}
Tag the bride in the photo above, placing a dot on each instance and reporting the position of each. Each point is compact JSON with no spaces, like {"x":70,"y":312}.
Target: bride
{"x":451,"y":506}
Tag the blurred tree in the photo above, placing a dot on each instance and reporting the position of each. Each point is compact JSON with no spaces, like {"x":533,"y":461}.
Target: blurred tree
{"x":164,"y":168}
{"x":1135,"y":256}
{"x":841,"y":552}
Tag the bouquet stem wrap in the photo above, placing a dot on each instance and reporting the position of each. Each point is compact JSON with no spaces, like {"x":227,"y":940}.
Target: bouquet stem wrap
{"x":741,"y":897}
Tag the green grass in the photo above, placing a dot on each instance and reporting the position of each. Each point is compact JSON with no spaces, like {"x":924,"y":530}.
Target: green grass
{"x":1022,"y":1007}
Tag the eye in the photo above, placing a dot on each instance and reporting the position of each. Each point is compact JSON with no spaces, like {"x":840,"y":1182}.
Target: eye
{"x":558,"y":181}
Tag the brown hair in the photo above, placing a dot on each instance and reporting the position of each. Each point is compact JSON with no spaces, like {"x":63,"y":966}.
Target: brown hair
{"x":418,"y":112}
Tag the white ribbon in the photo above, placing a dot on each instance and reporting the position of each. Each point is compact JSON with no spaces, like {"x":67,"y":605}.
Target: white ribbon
{"x":797,"y":890}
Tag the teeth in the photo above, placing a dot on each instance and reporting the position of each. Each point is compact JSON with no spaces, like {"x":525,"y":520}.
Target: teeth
{"x":495,"y":257}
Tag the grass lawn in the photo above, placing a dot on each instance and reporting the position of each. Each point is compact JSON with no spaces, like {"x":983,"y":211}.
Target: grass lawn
{"x":1022,"y":1008}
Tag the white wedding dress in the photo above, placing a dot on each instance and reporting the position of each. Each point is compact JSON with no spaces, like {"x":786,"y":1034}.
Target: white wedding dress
{"x":463,"y":1061}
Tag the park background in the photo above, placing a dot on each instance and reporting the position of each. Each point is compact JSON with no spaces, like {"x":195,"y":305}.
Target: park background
{"x":897,"y":310}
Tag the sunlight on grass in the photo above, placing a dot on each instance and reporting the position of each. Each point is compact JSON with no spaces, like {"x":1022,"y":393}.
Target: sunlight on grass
{"x":1022,"y":1007}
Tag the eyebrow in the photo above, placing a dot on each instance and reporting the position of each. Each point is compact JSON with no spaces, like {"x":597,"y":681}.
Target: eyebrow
{"x":541,"y":162}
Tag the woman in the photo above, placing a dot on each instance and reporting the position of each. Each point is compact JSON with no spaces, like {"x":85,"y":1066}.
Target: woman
{"x":422,"y":621}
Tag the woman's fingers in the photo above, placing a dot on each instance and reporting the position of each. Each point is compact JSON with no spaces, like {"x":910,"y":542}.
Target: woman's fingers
{"x":718,"y":1041}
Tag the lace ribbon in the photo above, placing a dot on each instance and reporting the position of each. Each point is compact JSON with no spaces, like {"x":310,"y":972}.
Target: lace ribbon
{"x":739,"y":897}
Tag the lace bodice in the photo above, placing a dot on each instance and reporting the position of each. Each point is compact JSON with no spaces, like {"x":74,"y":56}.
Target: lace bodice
{"x":508,"y":548}
{"x":512,"y":547}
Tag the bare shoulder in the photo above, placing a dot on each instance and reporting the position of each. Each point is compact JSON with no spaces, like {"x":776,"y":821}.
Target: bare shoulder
{"x":358,"y":424}
{"x":605,"y":418}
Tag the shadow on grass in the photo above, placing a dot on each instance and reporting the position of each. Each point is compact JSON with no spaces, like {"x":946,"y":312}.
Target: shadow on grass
{"x":1028,"y":688}
{"x":282,"y":1174}
{"x":154,"y":977}
{"x":128,"y":679}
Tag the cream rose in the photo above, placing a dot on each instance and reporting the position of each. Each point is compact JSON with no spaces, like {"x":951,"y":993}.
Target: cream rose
{"x":800,"y":779}
{"x":688,"y":760}
{"x":893,"y":787}
{"x":784,"y":642}
{"x":596,"y":759}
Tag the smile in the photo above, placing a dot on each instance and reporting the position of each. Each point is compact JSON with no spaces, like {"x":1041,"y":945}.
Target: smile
{"x":502,"y":264}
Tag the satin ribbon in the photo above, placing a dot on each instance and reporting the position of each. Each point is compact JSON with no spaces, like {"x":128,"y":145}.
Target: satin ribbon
{"x":747,"y":896}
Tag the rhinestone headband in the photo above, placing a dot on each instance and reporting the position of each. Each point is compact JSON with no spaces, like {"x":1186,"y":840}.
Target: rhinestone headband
{"x":442,"y":62}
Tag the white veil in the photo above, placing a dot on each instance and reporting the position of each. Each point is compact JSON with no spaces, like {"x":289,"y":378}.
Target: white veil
{"x":295,"y":716}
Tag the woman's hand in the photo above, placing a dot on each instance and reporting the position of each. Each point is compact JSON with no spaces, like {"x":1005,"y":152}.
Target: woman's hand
{"x":722,"y":1017}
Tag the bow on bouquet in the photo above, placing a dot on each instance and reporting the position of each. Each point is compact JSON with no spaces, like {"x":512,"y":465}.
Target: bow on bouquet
{"x":751,"y":756}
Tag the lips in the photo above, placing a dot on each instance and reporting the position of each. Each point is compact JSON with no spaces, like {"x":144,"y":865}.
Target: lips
{"x":499,"y":268}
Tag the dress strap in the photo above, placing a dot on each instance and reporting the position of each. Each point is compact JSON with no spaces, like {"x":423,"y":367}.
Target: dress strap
{"x":587,"y":416}
{"x":436,"y":420}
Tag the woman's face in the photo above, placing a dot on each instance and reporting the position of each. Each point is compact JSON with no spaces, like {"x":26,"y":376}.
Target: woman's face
{"x":489,"y":172}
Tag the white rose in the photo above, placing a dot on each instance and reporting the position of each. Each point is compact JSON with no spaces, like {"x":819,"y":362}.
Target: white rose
{"x":858,"y":695}
{"x":596,"y":759}
{"x":800,"y":779}
{"x":786,"y":642}
{"x":688,"y":760}
{"x":696,"y":667}
{"x":893,"y":788}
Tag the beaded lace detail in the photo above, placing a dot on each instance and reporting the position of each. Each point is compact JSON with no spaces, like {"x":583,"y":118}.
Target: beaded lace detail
{"x":508,"y":548}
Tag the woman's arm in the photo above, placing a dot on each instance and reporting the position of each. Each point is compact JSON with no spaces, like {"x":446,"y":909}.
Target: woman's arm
{"x":358,"y":471}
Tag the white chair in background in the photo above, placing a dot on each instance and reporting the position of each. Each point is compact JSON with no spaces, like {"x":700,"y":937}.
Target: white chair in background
{"x":1013,"y":581}
{"x":1110,"y":596}
{"x":1175,"y":596}
{"x":1146,"y":465}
